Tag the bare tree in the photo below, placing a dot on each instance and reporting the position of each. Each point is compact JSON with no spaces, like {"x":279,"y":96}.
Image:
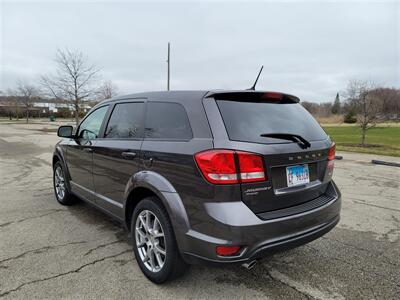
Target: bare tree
{"x":366,"y":104}
{"x":107,"y":90}
{"x":13,"y":99}
{"x":74,"y":81}
{"x":310,"y":106}
{"x":390,"y":98}
{"x":26,"y":92}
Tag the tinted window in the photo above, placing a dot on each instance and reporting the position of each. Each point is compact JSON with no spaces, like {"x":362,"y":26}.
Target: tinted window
{"x":90,"y":127}
{"x":167,"y":121}
{"x":125,"y":121}
{"x":246,"y":121}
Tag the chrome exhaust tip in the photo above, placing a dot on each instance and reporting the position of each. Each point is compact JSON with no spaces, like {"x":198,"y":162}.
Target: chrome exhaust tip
{"x":249,"y":265}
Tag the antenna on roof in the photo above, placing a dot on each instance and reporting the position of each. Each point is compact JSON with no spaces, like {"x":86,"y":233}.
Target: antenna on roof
{"x":254,"y":85}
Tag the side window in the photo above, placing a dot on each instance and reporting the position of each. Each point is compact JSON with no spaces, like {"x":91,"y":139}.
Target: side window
{"x":90,"y":127}
{"x":168,"y":121}
{"x":126,"y":121}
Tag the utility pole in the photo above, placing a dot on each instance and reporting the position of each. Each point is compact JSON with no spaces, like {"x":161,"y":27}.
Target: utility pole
{"x":168,"y":61}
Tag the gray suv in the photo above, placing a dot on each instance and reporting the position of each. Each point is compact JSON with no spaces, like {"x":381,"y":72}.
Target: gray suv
{"x":202,"y":176}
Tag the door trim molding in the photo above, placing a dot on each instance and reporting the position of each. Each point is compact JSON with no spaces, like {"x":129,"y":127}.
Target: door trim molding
{"x":115,"y":203}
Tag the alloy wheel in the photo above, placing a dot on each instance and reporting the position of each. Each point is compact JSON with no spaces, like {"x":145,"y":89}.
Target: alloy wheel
{"x":150,"y":241}
{"x":59,"y":183}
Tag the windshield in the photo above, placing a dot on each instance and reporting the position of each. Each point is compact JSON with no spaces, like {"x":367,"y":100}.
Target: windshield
{"x":247,"y":121}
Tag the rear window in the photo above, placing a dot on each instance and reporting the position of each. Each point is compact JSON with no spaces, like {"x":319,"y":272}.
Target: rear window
{"x":167,"y":121}
{"x":246,"y":121}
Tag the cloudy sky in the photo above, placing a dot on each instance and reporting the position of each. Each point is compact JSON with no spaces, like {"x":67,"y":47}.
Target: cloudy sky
{"x":308,"y":48}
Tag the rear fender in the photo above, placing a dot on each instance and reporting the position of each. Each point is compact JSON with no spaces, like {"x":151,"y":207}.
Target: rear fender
{"x":164,"y":190}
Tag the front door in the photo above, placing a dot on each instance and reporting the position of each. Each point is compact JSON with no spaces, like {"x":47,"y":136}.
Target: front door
{"x":80,"y":153}
{"x":116,"y":156}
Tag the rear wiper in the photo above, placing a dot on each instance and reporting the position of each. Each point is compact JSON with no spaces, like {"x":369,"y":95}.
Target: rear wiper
{"x":290,"y":137}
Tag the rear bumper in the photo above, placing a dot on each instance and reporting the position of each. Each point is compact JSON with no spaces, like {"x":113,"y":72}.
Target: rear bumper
{"x":265,"y":249}
{"x":257,"y":237}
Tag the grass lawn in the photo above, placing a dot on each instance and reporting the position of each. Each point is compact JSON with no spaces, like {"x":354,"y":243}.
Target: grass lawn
{"x":382,"y":140}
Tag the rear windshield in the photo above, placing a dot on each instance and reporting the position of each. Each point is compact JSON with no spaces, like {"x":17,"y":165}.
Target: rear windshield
{"x":246,"y":121}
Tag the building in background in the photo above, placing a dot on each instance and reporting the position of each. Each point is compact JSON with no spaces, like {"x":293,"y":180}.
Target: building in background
{"x":13,"y":107}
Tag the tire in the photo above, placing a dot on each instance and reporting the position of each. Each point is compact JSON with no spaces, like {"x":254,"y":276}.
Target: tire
{"x":63,"y":196}
{"x":156,"y":267}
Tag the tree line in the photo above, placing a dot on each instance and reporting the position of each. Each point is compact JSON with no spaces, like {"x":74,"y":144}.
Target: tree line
{"x":74,"y":81}
{"x":388,"y":100}
{"x":365,"y":103}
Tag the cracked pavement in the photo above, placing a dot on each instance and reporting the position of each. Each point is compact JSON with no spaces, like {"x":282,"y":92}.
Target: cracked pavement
{"x":48,"y":251}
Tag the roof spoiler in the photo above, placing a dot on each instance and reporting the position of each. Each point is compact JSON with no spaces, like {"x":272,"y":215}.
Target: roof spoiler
{"x":256,"y":96}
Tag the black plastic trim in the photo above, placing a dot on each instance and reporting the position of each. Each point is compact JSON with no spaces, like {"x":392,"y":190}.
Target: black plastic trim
{"x":330,"y":195}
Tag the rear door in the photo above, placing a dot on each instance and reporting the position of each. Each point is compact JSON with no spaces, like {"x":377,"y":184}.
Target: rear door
{"x":116,"y":155}
{"x":295,"y":170}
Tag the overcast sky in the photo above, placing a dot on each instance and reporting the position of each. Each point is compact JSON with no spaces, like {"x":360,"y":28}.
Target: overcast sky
{"x":309,"y":49}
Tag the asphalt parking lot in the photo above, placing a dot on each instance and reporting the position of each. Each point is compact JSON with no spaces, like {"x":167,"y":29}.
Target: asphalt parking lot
{"x":48,"y":251}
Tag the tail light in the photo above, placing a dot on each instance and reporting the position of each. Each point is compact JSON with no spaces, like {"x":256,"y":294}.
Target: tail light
{"x":332,"y":151}
{"x":218,"y":166}
{"x":251,"y":167}
{"x":229,"y":167}
{"x":272,"y":96}
{"x":331,"y":159}
{"x":227,"y":250}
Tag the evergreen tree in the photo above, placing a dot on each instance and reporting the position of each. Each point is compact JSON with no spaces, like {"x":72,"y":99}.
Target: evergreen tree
{"x":336,"y":105}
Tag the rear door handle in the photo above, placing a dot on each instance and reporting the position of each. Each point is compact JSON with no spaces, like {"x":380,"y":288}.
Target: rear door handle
{"x":128,"y":154}
{"x":88,"y":150}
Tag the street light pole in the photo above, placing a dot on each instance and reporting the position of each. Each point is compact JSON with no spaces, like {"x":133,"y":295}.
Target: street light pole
{"x":168,"y":71}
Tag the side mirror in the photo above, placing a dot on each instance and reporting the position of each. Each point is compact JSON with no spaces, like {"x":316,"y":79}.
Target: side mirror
{"x":65,"y":131}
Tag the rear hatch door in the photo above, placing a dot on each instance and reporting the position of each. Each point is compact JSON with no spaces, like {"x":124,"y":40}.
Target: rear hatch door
{"x":294,"y":147}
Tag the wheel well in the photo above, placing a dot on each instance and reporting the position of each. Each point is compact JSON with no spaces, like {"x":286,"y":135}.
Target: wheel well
{"x":55,"y":159}
{"x":133,"y":199}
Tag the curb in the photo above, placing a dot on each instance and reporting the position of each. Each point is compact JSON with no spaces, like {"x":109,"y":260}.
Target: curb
{"x":385,"y":163}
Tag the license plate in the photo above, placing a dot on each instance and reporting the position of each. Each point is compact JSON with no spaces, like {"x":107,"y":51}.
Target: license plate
{"x":297,"y":175}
